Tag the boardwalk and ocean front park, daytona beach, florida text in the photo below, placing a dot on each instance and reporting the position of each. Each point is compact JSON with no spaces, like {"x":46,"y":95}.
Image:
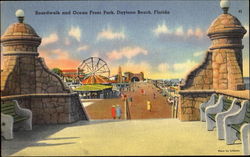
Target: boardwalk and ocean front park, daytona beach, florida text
{"x":103,"y":12}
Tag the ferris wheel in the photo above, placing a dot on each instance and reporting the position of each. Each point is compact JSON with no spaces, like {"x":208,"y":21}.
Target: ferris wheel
{"x":93,"y":66}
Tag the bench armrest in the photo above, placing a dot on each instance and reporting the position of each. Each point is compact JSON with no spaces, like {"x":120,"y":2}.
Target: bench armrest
{"x":245,"y":133}
{"x":5,"y":116}
{"x":210,"y":102}
{"x":237,"y":117}
{"x":22,"y":111}
{"x":217,"y":107}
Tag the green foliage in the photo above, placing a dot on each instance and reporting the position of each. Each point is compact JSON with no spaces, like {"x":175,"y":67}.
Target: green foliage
{"x":69,"y":80}
{"x":94,"y":87}
{"x":57,"y":71}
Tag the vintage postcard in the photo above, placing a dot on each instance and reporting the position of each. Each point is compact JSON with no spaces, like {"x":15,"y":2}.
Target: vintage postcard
{"x":123,"y":78}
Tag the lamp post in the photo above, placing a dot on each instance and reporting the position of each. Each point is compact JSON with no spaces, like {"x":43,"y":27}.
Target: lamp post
{"x":125,"y":108}
{"x":20,"y":15}
{"x":225,"y":4}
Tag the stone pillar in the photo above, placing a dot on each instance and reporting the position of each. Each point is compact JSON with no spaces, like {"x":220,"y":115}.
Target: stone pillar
{"x":221,"y":69}
{"x":20,"y":43}
{"x":226,"y":33}
{"x":26,"y":78}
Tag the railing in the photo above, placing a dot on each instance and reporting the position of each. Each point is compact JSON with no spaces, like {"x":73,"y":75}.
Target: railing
{"x":173,"y":98}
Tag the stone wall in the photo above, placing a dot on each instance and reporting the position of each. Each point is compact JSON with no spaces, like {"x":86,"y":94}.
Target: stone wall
{"x":47,"y":81}
{"x":16,"y":79}
{"x":51,"y":108}
{"x":190,"y":104}
{"x":26,"y":74}
{"x":201,"y":77}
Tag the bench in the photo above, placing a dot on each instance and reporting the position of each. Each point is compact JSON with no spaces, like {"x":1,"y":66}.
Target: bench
{"x":213,"y":99}
{"x":234,"y":122}
{"x":245,"y":137}
{"x":236,"y":105}
{"x":13,"y":114}
{"x":222,"y":105}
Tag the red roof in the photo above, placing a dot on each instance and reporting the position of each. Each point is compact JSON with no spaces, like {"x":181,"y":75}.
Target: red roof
{"x":72,"y":75}
{"x":112,"y":81}
{"x":69,"y":70}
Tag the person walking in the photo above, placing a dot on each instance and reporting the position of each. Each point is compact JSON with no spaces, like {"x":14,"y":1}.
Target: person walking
{"x":154,"y":95}
{"x":113,"y":112}
{"x":142,"y":91}
{"x":130,"y":101}
{"x":118,"y":112}
{"x":149,"y":106}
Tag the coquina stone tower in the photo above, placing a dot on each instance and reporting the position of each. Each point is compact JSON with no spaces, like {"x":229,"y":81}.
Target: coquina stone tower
{"x":20,"y":42}
{"x":221,"y":69}
{"x":26,"y":78}
{"x":226,"y":33}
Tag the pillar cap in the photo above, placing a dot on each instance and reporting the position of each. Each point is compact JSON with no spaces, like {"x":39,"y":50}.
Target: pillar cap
{"x":226,"y":24}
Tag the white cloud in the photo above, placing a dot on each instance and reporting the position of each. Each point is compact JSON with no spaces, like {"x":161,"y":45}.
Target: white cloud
{"x":110,"y":34}
{"x":134,"y":67}
{"x":49,"y":39}
{"x":163,"y":67}
{"x":190,"y":32}
{"x":128,"y":52}
{"x":59,"y":53}
{"x":95,"y":54}
{"x":161,"y":29}
{"x":185,"y":67}
{"x":198,"y":53}
{"x":75,"y":32}
{"x":82,"y":48}
{"x":199,"y":33}
{"x":59,"y":58}
{"x":179,"y":31}
{"x":164,"y":30}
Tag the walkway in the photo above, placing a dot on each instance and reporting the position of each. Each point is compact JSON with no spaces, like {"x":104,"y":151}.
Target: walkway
{"x":101,"y":109}
{"x":132,"y":137}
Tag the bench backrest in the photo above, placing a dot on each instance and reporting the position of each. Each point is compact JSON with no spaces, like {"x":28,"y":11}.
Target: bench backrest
{"x":247,"y":114}
{"x":226,"y":104}
{"x":8,"y":107}
{"x":216,"y":97}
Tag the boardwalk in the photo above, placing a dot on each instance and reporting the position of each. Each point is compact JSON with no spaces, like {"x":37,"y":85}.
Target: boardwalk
{"x":131,"y":137}
{"x":101,"y":109}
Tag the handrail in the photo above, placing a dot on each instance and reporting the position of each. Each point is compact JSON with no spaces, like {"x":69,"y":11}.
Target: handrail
{"x":243,"y":94}
{"x":37,"y":95}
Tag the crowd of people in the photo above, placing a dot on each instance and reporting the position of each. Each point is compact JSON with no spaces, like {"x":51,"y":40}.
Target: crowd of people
{"x":116,"y":110}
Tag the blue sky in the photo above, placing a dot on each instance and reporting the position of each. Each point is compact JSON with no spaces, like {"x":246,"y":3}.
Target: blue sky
{"x":160,"y":45}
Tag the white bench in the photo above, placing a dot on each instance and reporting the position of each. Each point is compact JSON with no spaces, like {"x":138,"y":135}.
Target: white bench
{"x":237,"y":126}
{"x":12,"y":113}
{"x":236,"y":105}
{"x":245,"y":136}
{"x":222,"y":106}
{"x":204,"y":105}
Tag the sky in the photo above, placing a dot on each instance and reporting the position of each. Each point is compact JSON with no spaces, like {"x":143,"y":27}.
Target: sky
{"x":163,"y":46}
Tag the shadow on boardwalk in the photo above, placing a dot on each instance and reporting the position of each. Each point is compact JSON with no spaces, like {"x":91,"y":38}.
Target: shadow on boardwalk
{"x":23,"y":139}
{"x":120,"y":138}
